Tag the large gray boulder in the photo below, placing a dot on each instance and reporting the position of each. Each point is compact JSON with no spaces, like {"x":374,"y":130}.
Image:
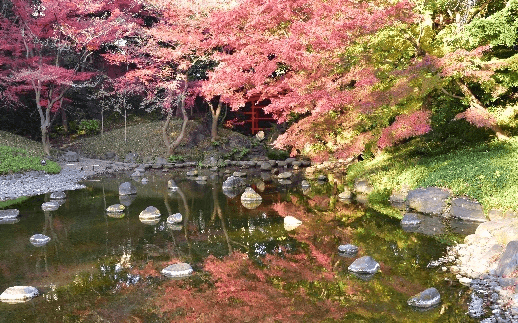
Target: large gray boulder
{"x":430,"y":200}
{"x":149,"y":213}
{"x":127,"y":188}
{"x":266,"y":166}
{"x":509,"y":260}
{"x":467,"y":210}
{"x":71,"y":157}
{"x":364,"y":265}
{"x":428,"y":298}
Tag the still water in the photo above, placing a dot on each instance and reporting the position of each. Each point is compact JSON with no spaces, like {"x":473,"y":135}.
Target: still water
{"x":247,"y":266}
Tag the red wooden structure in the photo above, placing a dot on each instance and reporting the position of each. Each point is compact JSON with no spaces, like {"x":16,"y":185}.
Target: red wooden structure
{"x":256,"y":116}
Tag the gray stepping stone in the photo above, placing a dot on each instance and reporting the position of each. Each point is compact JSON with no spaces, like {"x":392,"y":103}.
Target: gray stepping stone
{"x":347,"y":250}
{"x":39,"y":240}
{"x":364,"y":265}
{"x":50,"y":206}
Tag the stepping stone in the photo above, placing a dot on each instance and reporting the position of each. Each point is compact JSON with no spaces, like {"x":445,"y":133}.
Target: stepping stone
{"x":50,"y":206}
{"x":347,"y":250}
{"x":179,"y":270}
{"x":290,"y":223}
{"x":426,"y":299}
{"x":39,"y":240}
{"x":175,"y":218}
{"x":364,"y":265}
{"x":285,"y":175}
{"x":239,"y":174}
{"x":116,"y":208}
{"x":150,"y":213}
{"x":59,"y":195}
{"x":18,"y":294}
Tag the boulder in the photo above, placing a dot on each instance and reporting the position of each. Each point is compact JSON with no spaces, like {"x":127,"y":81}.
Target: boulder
{"x":508,"y":262}
{"x":346,"y":194}
{"x":364,"y":265}
{"x":178,"y":270}
{"x":467,"y":210}
{"x":59,"y":195}
{"x":266,"y":166}
{"x":127,"y":188}
{"x":347,"y":250}
{"x":285,"y":175}
{"x":18,"y":294}
{"x":175,"y":218}
{"x":428,"y":298}
{"x":150,"y":212}
{"x":430,"y":200}
{"x":71,"y":157}
{"x":362,"y":187}
{"x":39,"y":240}
{"x":296,"y":164}
{"x":289,"y":161}
{"x":239,"y":174}
{"x":250,"y":199}
{"x":115,"y":208}
{"x":131,"y":158}
{"x":50,"y":206}
{"x":233,"y":182}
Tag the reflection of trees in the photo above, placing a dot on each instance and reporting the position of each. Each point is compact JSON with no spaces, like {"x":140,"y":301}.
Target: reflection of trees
{"x":217,"y":212}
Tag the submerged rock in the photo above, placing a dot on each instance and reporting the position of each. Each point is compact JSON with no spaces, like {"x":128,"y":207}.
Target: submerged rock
{"x":50,"y":206}
{"x":126,"y":200}
{"x":39,"y":240}
{"x":127,"y":188}
{"x":431,"y":200}
{"x":150,"y":213}
{"x":18,"y":294}
{"x":175,"y":218}
{"x":364,"y":265}
{"x":178,"y":270}
{"x":428,"y":298}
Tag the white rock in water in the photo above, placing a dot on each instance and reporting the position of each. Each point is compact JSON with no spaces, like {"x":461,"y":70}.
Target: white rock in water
{"x":427,"y":298}
{"x":291,"y":223}
{"x":348,"y":249}
{"x":59,"y":195}
{"x":175,"y":218}
{"x":149,"y":213}
{"x":39,"y":240}
{"x":50,"y":206}
{"x":9,"y":214}
{"x":177,"y":270}
{"x":116,"y":208}
{"x":18,"y":294}
{"x":251,"y":195}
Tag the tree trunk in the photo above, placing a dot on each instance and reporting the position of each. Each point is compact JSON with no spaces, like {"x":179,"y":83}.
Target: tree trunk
{"x":45,"y":140}
{"x":475,"y":103}
{"x":64,"y":119}
{"x":214,"y":125}
{"x":165,"y":134}
{"x":181,"y":106}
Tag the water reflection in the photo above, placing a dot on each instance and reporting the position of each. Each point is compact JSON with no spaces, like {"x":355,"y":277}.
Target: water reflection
{"x":91,"y":250}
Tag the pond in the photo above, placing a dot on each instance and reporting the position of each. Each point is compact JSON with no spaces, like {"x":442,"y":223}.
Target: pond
{"x":248,"y":267}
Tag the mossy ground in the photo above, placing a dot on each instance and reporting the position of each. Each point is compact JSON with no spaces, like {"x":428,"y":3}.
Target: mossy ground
{"x":487,"y":172}
{"x":18,"y":154}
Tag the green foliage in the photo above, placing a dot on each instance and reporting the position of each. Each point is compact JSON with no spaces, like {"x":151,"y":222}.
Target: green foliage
{"x":486,"y":172}
{"x":15,"y":160}
{"x":176,"y":158}
{"x":8,"y":203}
{"x":277,"y":154}
{"x":237,"y":153}
{"x":89,"y":127}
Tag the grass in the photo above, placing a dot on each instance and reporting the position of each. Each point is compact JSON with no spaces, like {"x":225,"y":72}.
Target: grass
{"x":18,"y":154}
{"x":487,"y":172}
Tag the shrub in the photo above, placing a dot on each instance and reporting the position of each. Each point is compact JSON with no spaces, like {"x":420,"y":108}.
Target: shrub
{"x":89,"y":127}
